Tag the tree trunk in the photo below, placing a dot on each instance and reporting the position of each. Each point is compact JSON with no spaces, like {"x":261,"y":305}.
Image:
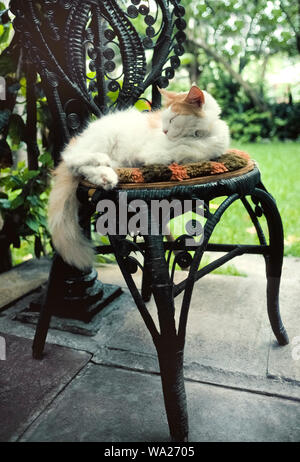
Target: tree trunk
{"x":235,"y":75}
{"x":193,"y":67}
{"x":263,"y":73}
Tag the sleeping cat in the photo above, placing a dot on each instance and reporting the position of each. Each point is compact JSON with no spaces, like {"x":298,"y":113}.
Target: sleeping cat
{"x":188,"y":130}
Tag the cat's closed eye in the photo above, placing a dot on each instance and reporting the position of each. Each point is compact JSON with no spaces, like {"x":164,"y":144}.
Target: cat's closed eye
{"x":171,"y":120}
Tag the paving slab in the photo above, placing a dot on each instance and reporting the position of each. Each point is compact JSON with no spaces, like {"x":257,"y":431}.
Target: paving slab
{"x":27,"y":386}
{"x":104,"y":404}
{"x":229,"y":340}
{"x":241,"y":386}
{"x":109,"y":321}
{"x":22,"y":279}
{"x":284,"y":363}
{"x":31,"y":315}
{"x":227,"y":327}
{"x":228,"y":336}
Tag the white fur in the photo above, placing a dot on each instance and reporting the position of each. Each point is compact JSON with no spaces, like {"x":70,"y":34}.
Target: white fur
{"x":126,"y":139}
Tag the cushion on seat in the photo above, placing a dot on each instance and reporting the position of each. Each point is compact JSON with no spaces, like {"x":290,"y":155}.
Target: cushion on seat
{"x":231,"y":164}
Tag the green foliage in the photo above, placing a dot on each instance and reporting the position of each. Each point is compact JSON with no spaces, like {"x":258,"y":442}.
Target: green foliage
{"x":23,"y":192}
{"x":246,"y":123}
{"x":286,"y":121}
{"x":23,"y":204}
{"x":249,"y":125}
{"x":282,"y":122}
{"x":229,"y":46}
{"x":5,"y":26}
{"x":252,"y":25}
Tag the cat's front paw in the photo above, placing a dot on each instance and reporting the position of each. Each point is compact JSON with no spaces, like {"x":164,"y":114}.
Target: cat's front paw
{"x":103,"y":176}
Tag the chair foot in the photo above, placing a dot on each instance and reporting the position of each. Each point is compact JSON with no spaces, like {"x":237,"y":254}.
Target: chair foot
{"x":41,"y":332}
{"x":45,"y":314}
{"x":171,"y":369}
{"x":36,"y":354}
{"x":178,"y":439}
{"x":273,"y":284}
{"x":282,"y":338}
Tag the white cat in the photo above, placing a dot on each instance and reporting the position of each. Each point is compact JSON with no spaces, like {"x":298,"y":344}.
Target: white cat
{"x":188,"y":130}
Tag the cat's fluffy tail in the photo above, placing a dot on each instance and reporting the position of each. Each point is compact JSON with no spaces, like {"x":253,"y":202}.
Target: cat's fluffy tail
{"x":67,"y":236}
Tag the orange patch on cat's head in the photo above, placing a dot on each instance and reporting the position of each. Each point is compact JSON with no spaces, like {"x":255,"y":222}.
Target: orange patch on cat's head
{"x":190,"y":103}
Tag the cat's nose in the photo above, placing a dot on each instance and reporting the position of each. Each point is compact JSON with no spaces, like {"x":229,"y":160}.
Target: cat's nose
{"x":165,"y":132}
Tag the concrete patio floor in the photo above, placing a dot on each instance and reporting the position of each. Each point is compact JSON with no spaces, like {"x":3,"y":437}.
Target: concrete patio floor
{"x":241,"y":386}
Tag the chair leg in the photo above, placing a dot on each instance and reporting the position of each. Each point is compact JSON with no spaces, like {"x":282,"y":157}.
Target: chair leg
{"x":169,"y":348}
{"x":53,"y":289}
{"x":171,"y":370}
{"x":274,"y":262}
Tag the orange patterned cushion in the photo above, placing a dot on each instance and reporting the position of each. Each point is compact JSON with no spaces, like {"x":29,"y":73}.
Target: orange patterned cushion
{"x":232,"y":160}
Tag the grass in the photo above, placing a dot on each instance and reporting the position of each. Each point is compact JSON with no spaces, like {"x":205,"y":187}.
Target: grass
{"x":279,"y":164}
{"x":228,"y":269}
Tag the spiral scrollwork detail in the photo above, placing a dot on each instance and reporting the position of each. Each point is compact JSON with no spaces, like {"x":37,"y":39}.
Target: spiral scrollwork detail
{"x":102,"y":55}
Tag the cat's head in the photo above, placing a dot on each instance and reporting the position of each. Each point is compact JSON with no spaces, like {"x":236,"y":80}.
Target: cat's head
{"x":187,"y":114}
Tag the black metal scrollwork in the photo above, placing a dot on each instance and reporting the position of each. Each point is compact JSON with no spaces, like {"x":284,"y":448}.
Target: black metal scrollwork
{"x":94,"y":56}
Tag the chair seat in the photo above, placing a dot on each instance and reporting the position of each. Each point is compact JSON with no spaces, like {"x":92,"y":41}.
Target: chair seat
{"x":232,"y":164}
{"x":234,"y":172}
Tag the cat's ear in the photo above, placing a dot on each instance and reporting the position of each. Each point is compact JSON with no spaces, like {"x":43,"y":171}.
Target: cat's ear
{"x":168,"y":96}
{"x":195,"y":97}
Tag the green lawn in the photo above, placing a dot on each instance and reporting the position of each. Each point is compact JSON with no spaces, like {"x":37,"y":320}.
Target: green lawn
{"x":279,"y":164}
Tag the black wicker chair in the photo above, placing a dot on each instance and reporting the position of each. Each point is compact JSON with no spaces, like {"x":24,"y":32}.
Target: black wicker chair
{"x":58,"y":37}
